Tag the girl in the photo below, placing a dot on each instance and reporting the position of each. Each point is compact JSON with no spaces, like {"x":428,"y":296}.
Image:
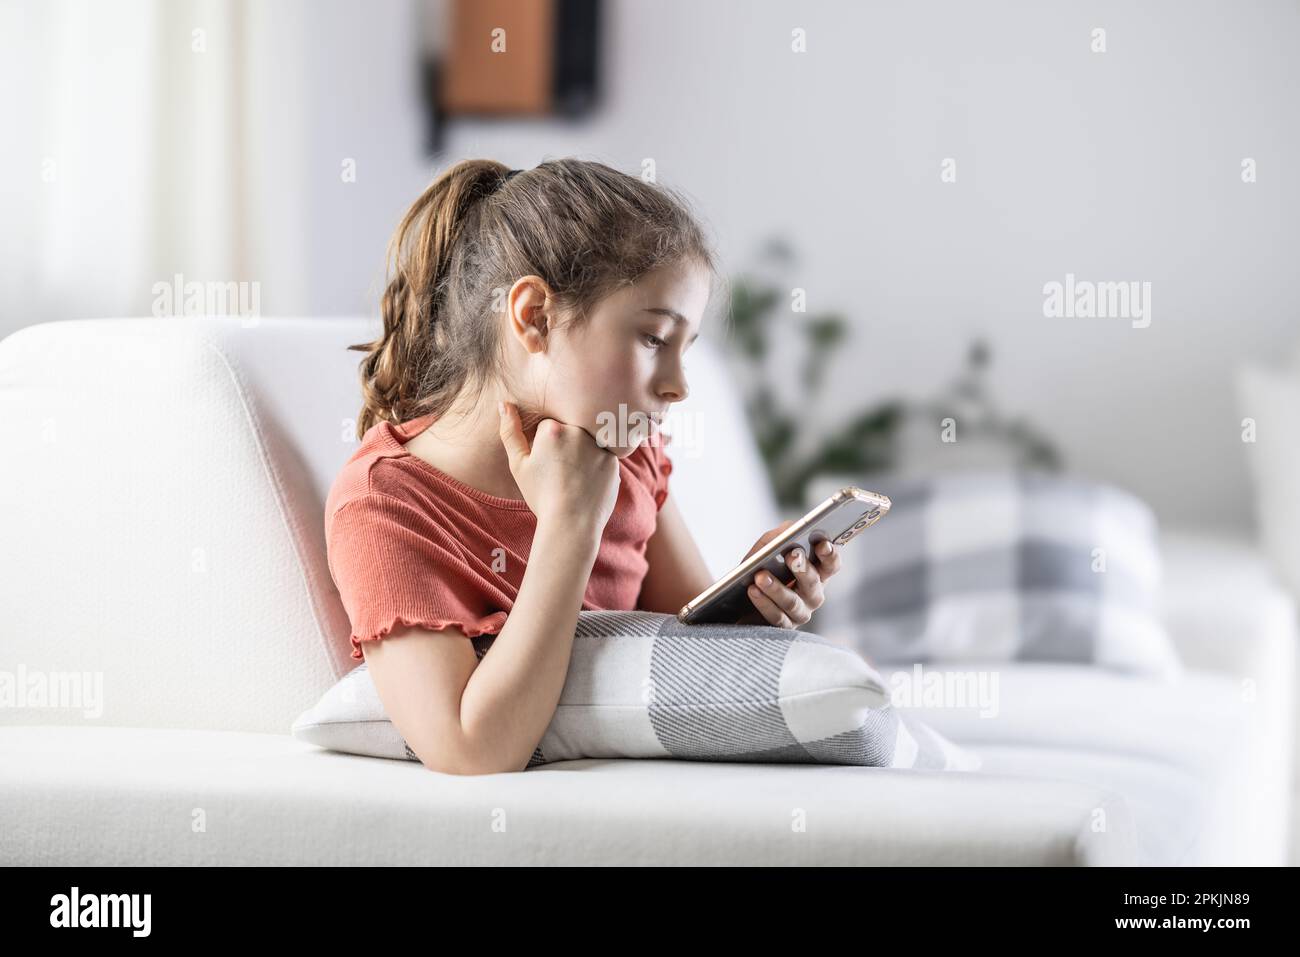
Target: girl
{"x":532,"y":321}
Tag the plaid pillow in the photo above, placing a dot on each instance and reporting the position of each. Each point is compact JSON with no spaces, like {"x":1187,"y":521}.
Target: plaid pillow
{"x":1005,"y":565}
{"x":644,"y":685}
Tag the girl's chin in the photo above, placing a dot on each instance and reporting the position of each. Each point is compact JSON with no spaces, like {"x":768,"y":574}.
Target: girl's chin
{"x":620,"y":451}
{"x":622,"y":442}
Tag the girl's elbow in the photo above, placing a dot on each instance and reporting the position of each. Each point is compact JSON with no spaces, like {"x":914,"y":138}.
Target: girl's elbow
{"x":467,"y":762}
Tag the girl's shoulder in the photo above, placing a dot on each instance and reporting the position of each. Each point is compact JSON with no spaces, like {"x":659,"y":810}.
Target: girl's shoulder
{"x":356,"y":478}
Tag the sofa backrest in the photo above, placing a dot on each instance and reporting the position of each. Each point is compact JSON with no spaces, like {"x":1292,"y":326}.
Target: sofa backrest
{"x":162,"y":486}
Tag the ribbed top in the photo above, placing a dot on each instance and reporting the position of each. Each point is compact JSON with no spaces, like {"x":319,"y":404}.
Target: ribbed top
{"x":409,"y":544}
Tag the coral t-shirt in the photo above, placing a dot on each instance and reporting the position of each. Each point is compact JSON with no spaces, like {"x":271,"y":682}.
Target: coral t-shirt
{"x":409,"y":544}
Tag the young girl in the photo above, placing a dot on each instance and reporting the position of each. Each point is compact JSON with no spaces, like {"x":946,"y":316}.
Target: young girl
{"x":490,"y":498}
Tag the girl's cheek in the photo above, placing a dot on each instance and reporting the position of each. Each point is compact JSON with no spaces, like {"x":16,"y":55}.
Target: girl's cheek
{"x":620,"y":373}
{"x":623,"y":371}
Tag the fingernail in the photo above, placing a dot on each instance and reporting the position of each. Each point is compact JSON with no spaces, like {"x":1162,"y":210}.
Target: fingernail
{"x":824,"y":548}
{"x":765,"y":579}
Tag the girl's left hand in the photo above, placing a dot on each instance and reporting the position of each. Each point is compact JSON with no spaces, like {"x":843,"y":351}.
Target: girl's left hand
{"x":789,"y":606}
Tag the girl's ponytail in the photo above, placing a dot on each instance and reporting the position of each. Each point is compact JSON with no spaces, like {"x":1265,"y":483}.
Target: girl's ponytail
{"x":394,"y":372}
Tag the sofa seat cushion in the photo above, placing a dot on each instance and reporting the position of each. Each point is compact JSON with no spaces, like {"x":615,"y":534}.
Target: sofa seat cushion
{"x":1175,"y":817}
{"x":1220,"y":737}
{"x":119,"y":796}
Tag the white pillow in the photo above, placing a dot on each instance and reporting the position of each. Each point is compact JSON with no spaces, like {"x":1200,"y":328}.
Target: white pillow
{"x":643,"y":685}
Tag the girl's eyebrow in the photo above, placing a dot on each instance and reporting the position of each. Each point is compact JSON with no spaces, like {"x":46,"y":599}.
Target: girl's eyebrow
{"x":677,"y":318}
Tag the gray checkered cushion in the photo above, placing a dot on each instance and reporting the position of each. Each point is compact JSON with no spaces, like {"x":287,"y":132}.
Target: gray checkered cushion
{"x":1004,"y":565}
{"x":643,"y":685}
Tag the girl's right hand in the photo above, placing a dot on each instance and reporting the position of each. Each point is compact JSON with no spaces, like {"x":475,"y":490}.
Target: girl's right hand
{"x":565,"y":475}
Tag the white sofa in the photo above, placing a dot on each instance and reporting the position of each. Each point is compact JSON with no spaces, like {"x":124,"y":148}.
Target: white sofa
{"x":161,"y":491}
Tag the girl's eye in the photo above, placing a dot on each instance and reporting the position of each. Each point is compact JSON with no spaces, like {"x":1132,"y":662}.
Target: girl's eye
{"x":654,"y":340}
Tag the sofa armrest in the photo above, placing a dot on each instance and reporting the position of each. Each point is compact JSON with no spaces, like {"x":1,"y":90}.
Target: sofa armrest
{"x":1227,"y":612}
{"x":1224,"y":607}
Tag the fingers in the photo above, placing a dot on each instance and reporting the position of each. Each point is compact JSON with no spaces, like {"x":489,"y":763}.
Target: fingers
{"x":828,"y":559}
{"x":769,"y":609}
{"x":809,"y":582}
{"x":780,"y":604}
{"x":512,"y":432}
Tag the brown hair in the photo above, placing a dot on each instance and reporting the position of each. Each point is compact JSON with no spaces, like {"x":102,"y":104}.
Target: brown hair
{"x":583,"y":227}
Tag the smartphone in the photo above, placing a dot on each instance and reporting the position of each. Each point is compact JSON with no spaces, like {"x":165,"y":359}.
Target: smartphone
{"x":837,"y":520}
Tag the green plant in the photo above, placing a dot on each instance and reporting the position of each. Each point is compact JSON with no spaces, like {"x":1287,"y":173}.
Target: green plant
{"x":970,"y":402}
{"x":868,"y":442}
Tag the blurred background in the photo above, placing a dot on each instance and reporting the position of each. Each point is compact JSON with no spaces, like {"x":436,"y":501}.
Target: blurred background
{"x":918,"y":172}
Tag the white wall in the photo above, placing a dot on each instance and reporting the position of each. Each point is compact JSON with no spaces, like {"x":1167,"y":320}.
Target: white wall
{"x":1116,"y":166}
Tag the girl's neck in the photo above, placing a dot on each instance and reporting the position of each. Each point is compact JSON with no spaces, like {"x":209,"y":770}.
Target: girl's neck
{"x":466,"y":444}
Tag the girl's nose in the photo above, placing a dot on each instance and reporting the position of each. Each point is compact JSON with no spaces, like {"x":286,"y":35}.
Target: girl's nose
{"x":674,"y":395}
{"x":675,"y":390}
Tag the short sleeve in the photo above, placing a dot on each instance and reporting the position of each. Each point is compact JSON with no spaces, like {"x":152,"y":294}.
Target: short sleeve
{"x":663,"y":469}
{"x":394,"y":567}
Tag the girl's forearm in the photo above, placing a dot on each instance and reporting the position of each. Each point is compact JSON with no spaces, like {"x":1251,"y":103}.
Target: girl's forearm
{"x":512,"y":695}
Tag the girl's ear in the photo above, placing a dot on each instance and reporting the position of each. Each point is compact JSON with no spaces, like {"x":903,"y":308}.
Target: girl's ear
{"x":526,"y":310}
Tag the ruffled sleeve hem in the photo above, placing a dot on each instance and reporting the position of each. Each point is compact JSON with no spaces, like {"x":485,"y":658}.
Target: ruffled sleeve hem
{"x":472,"y":627}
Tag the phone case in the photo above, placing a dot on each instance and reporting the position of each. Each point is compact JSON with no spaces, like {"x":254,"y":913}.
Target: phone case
{"x":839,"y":519}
